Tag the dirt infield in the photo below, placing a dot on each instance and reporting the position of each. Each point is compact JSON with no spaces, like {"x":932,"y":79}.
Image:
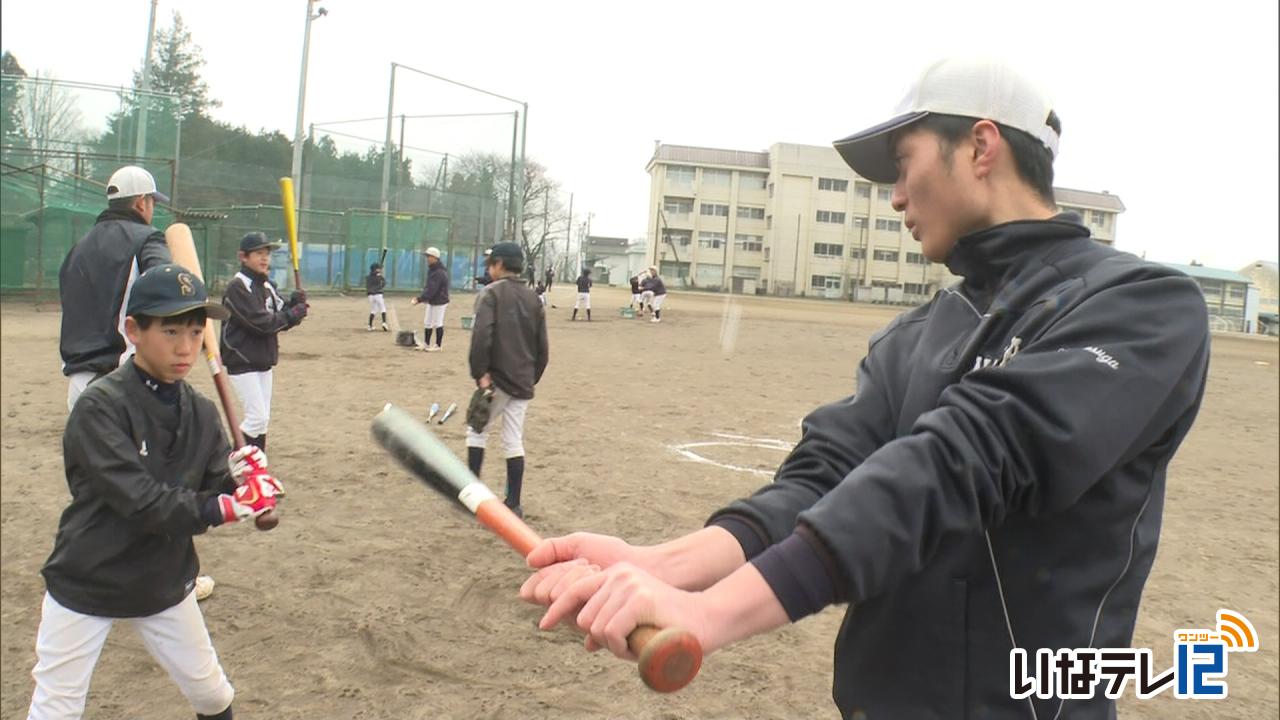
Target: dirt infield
{"x":375,"y":600}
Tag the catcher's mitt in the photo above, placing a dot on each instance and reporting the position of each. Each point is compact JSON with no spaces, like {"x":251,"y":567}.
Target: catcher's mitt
{"x":478,"y":408}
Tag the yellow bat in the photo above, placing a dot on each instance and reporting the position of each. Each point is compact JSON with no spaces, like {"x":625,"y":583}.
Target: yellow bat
{"x":291,"y":226}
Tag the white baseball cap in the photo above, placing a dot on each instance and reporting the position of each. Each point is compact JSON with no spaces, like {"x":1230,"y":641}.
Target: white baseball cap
{"x":131,"y":181}
{"x":979,"y":88}
{"x":433,"y":252}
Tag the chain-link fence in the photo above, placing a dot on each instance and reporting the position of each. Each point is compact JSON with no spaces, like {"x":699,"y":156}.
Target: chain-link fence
{"x":62,"y":140}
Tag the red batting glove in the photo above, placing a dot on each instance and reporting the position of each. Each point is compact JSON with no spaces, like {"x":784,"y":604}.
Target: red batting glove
{"x":255,"y":496}
{"x":246,"y":461}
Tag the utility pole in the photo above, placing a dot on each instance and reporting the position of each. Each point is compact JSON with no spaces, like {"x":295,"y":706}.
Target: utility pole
{"x":296,"y":171}
{"x":568,"y":229}
{"x":140,"y":144}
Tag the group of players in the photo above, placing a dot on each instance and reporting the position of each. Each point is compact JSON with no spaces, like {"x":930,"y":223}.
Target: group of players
{"x":990,"y":487}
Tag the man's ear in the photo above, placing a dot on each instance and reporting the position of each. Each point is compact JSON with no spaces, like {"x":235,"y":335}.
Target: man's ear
{"x":131,"y":330}
{"x":985,"y":136}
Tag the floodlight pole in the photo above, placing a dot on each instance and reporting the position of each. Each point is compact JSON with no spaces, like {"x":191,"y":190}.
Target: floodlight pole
{"x":140,"y":145}
{"x":296,"y":171}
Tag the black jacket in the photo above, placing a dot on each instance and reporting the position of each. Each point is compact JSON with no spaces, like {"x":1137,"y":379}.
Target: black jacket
{"x":1006,"y":448}
{"x":94,"y":281}
{"x":374,"y":284}
{"x":654,"y":284}
{"x":436,"y":291}
{"x":584,"y":283}
{"x":249,"y":342}
{"x":509,"y":337}
{"x":140,"y":474}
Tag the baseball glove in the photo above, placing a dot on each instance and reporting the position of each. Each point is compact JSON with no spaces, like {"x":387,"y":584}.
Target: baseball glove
{"x":478,"y":408}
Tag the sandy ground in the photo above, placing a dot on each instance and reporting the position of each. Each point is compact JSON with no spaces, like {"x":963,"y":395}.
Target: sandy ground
{"x":374,"y":599}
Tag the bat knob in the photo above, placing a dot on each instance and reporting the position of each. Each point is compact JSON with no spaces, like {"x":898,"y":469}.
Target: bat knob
{"x":668,"y":659}
{"x":267,"y":520}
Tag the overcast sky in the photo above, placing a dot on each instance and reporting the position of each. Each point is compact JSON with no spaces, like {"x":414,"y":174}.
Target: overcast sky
{"x":1172,"y":106}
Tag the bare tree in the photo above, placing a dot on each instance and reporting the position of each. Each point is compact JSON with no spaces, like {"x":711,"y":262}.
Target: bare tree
{"x":545,"y":218}
{"x":51,"y":120}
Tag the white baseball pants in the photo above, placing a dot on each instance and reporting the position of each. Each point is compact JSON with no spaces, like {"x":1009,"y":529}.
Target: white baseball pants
{"x":377,"y":303}
{"x":254,"y":389}
{"x":76,"y":383}
{"x":68,"y":644}
{"x":583,"y":301}
{"x":434,"y":316}
{"x":512,"y":411}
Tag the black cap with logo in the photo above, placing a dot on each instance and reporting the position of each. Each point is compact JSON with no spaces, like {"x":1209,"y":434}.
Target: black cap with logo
{"x":254,"y":240}
{"x":168,"y":290}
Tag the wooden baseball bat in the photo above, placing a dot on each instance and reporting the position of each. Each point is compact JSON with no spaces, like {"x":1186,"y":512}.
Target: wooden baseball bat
{"x":382,"y":260}
{"x":668,"y":658}
{"x":291,"y":227}
{"x":182,"y":248}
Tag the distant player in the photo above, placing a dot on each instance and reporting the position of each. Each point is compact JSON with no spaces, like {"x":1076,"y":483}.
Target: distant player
{"x":541,"y":292}
{"x":656,"y":291}
{"x":436,"y":296}
{"x":635,"y":295}
{"x":373,"y":285}
{"x":584,"y":294}
{"x":148,"y":467}
{"x":250,"y":347}
{"x":509,"y":354}
{"x":96,"y":275}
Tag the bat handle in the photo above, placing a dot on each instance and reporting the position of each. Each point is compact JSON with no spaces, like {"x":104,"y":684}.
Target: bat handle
{"x":669,"y":658}
{"x":269,"y":519}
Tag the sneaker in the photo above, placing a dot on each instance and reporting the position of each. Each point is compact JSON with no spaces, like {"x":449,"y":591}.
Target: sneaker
{"x":433,"y":348}
{"x":655,"y":319}
{"x":426,"y":348}
{"x":370,"y":329}
{"x":384,"y":328}
{"x":204,"y":587}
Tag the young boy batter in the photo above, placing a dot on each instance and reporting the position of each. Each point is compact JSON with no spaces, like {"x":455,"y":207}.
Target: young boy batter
{"x":509,"y":354}
{"x":373,"y":285}
{"x":584,"y":294}
{"x":250,"y":348}
{"x":148,"y":467}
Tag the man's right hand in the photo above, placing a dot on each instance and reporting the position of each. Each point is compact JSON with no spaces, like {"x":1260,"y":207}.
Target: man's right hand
{"x":297,"y":312}
{"x":564,"y":560}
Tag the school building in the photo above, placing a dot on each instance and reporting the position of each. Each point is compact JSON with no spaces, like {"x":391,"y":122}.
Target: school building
{"x":796,"y":220}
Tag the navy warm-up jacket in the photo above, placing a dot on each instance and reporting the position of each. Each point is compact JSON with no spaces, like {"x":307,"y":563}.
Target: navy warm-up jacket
{"x":997,"y":480}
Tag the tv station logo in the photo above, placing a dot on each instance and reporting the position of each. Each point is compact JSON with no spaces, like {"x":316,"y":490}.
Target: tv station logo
{"x":1199,"y":671}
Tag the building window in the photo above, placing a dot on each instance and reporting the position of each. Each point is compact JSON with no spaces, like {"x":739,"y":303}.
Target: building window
{"x":858,"y":253}
{"x":825,"y":282}
{"x":916,"y":259}
{"x":716,"y":177}
{"x":748,"y":243}
{"x":833,"y":184}
{"x":859,"y":221}
{"x":862,"y":189}
{"x":711,"y":240}
{"x":885,"y":194}
{"x":677,"y":206}
{"x":830,"y":216}
{"x":681,"y":238}
{"x":1235,"y":292}
{"x":886,"y":255}
{"x":770,"y":189}
{"x":750,"y":213}
{"x":1098,"y":218}
{"x":680,"y":174}
{"x":768,"y":222}
{"x":890,"y":225}
{"x":915,"y":288}
{"x":831,"y":250}
{"x":766,"y":254}
{"x":752,"y":181}
{"x":713,"y":209}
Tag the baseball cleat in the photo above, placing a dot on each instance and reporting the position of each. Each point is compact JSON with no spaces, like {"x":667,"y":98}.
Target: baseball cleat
{"x":204,"y":587}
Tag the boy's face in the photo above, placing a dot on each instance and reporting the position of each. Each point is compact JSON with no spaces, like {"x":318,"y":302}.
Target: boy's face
{"x":258,"y":260}
{"x":935,"y":190}
{"x":166,"y":351}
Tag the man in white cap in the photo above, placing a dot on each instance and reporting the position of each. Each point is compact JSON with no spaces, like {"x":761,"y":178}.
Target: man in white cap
{"x":436,"y":296}
{"x":994,"y":487}
{"x":98,"y":273}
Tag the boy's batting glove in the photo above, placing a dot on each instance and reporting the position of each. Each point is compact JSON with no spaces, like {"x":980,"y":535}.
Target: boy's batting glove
{"x":256,"y":495}
{"x":297,"y":312}
{"x":245,"y":461}
{"x":297,"y":297}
